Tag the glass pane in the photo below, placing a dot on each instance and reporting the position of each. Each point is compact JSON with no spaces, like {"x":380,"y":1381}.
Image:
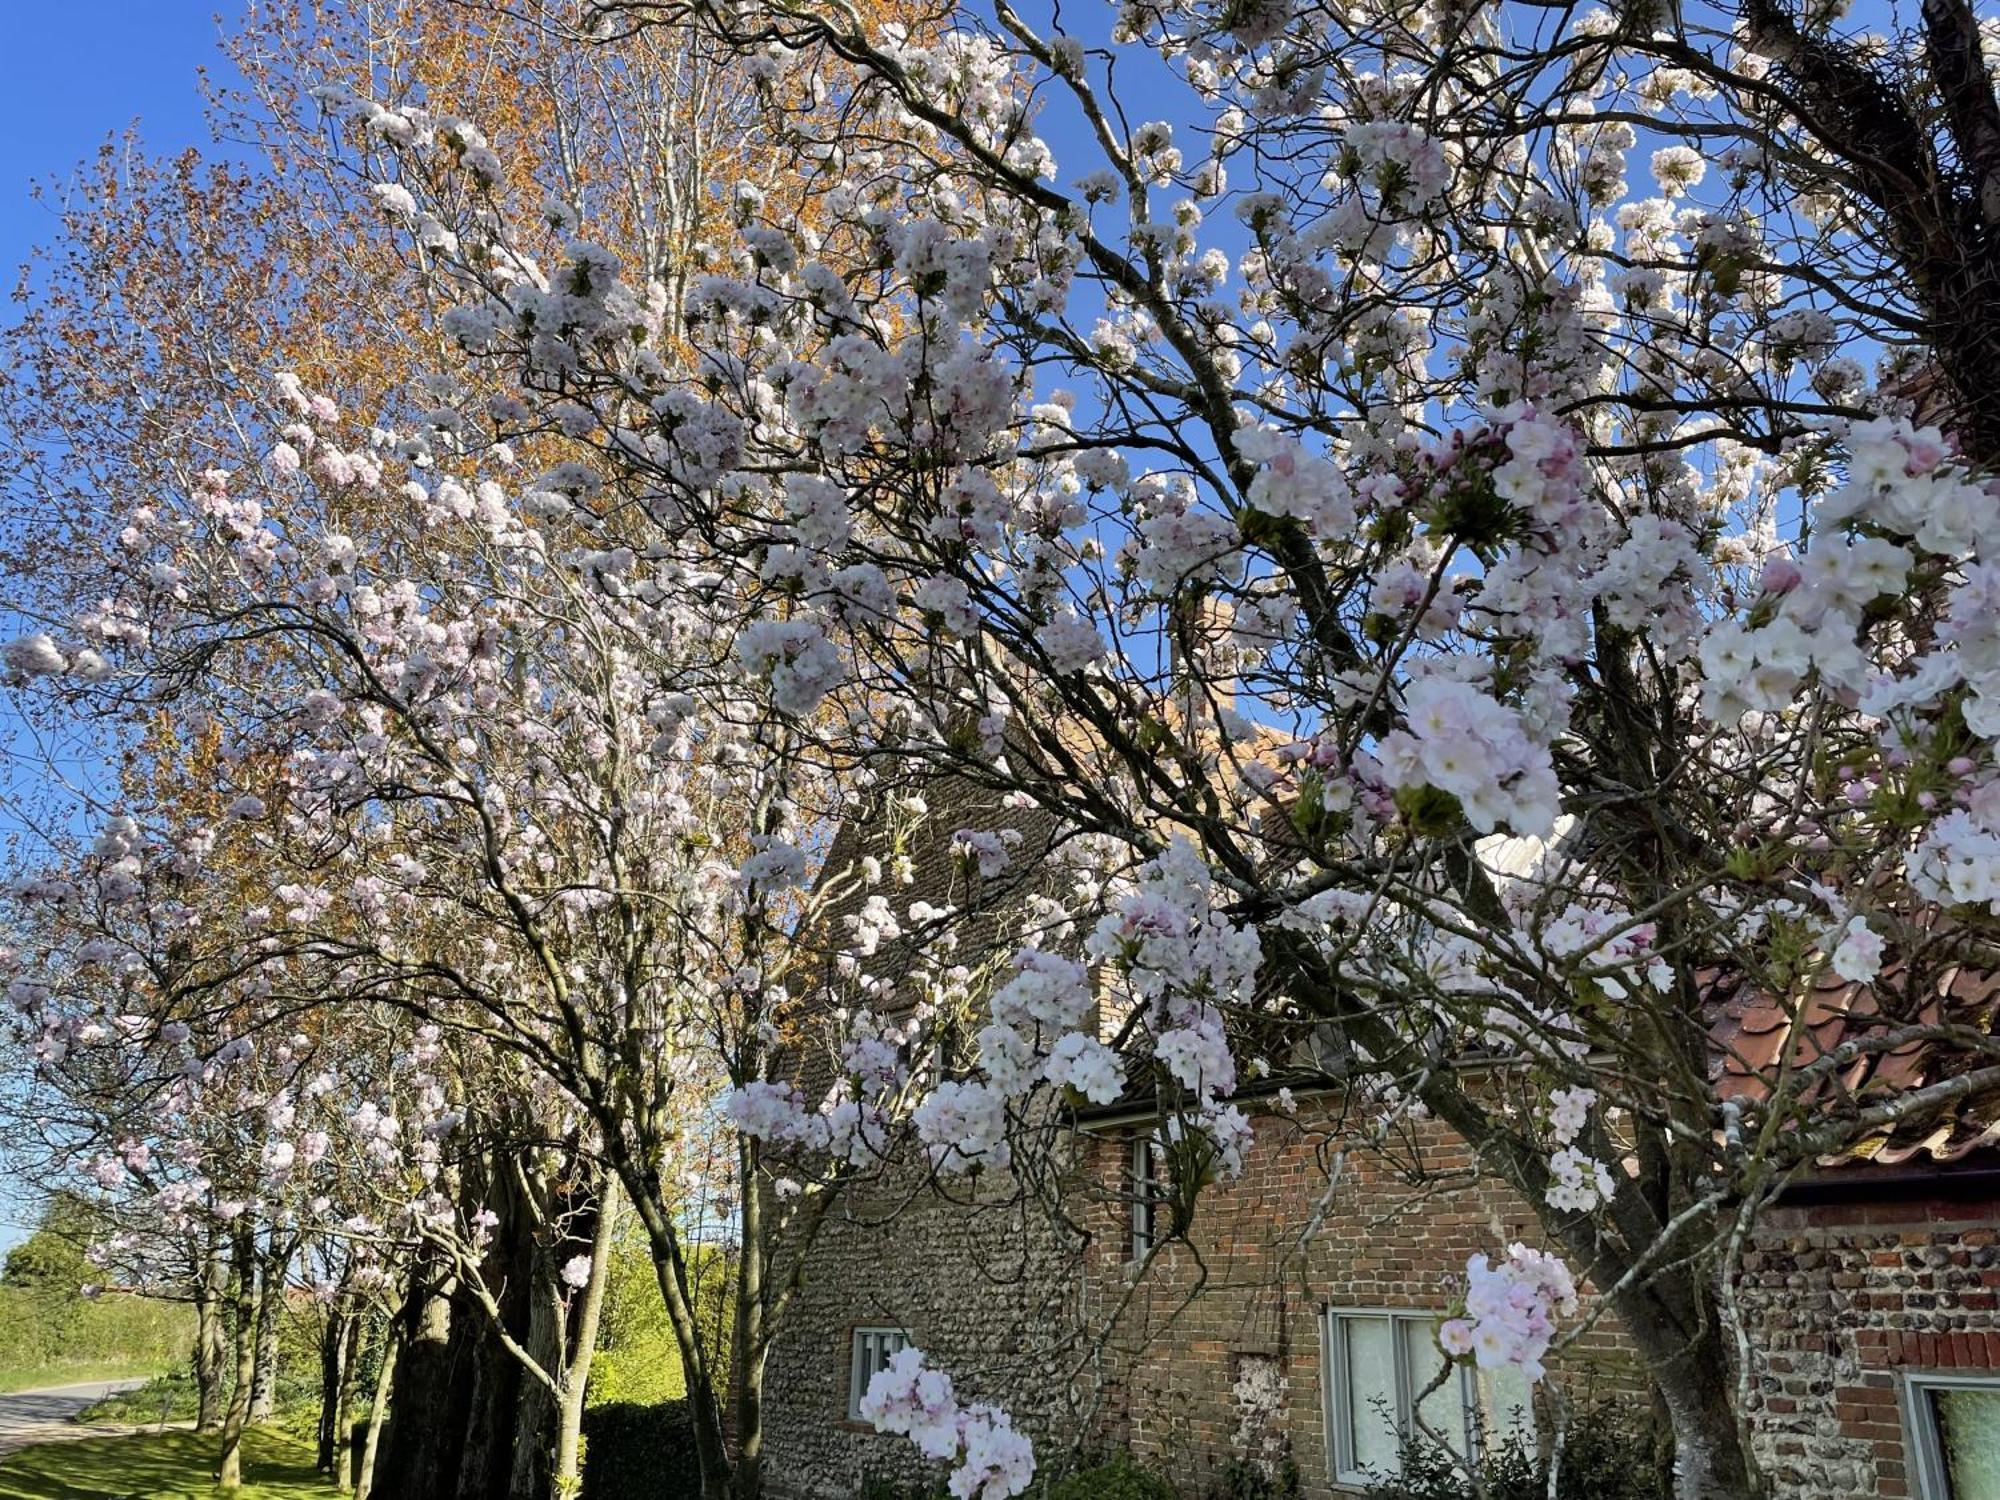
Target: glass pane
{"x":1969,"y":1434}
{"x":1371,"y":1395}
{"x":1506,"y":1408}
{"x":1443,"y":1410}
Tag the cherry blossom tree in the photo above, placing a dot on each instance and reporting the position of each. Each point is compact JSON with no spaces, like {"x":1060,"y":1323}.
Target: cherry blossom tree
{"x":143,"y":371}
{"x":1484,"y":602}
{"x":1451,"y":602}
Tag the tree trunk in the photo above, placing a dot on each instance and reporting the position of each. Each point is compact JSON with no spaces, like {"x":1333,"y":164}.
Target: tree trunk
{"x":1676,"y":1320}
{"x":504,"y":1423}
{"x":569,"y":1442}
{"x":748,"y":1365}
{"x":750,"y":1428}
{"x":424,"y":1446}
{"x":711,"y":1442}
{"x":350,"y":1370}
{"x":562,"y":1338}
{"x":334,"y":1357}
{"x":586,"y":1315}
{"x":270,"y":1307}
{"x":210,"y":1343}
{"x":531,"y":1474}
{"x":1709,"y":1461}
{"x":378,"y":1408}
{"x":229,"y":1473}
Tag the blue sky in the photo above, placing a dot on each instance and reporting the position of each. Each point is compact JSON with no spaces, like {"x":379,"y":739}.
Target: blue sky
{"x":72,"y":73}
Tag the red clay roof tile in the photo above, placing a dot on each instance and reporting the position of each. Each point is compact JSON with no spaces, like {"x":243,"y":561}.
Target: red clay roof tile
{"x":1756,"y":1036}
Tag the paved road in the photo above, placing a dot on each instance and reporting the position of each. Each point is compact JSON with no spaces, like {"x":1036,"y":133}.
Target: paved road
{"x":45,"y":1416}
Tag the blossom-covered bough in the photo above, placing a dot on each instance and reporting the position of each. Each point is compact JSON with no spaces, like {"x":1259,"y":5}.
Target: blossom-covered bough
{"x":1467,"y":524}
{"x":1362,"y":412}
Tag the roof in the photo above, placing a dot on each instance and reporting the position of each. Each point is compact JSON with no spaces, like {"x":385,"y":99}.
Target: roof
{"x":1759,"y":1036}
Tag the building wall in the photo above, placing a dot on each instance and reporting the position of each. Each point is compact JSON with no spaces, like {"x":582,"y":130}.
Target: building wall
{"x":987,"y":1281}
{"x":987,"y":1285}
{"x":1841,"y":1303}
{"x":1846,"y":1302}
{"x":1251,"y":1287}
{"x":1048,"y":1319}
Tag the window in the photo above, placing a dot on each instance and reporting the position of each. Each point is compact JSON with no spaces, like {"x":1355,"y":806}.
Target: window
{"x":1378,"y":1364}
{"x":1954,"y":1427}
{"x":873,"y":1349}
{"x":1143,"y":1170}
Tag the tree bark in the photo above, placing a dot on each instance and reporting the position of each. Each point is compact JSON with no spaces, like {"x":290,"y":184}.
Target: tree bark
{"x":270,"y":1307}
{"x":209,"y":1343}
{"x":711,"y":1442}
{"x":502,"y":1421}
{"x":1709,"y":1462}
{"x":424,"y":1446}
{"x":335,"y":1357}
{"x":378,"y":1408}
{"x":751,"y":1332}
{"x":587,"y":1314}
{"x":531,"y":1474}
{"x":229,"y":1473}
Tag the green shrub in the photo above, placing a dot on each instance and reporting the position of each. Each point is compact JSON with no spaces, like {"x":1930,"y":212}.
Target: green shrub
{"x":1119,"y":1478}
{"x":1607,"y":1455}
{"x":1247,"y":1481}
{"x":45,"y":1329}
{"x":634,"y":1452}
{"x":638,"y":1360}
{"x":881,"y":1487}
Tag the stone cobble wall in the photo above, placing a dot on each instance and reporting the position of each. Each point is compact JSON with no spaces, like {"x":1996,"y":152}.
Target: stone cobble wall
{"x":1843,"y":1303}
{"x":986,"y":1282}
{"x":987,"y":1285}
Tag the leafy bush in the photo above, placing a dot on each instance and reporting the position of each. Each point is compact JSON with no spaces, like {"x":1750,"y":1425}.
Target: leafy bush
{"x":634,"y":1452}
{"x":54,"y":1333}
{"x":1120,"y":1478}
{"x":1247,"y":1481}
{"x":638,"y":1361}
{"x":881,"y":1487}
{"x":50,"y":1332}
{"x":1607,"y":1455}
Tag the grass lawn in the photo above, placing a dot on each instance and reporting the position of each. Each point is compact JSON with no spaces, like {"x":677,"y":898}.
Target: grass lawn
{"x":14,"y":1379}
{"x":159,"y":1466}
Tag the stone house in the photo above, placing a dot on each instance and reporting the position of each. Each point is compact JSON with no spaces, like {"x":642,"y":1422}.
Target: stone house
{"x":1292,"y":1325}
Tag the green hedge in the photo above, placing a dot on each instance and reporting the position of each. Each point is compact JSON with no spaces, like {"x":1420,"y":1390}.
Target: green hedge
{"x":1120,"y":1478}
{"x":46,"y":1331}
{"x":634,"y":1452}
{"x":1611,"y":1452}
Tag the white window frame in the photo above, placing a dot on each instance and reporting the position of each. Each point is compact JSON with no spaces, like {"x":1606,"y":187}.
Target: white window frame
{"x":1142,"y":1168}
{"x":1920,"y":1426}
{"x":1338,"y":1410}
{"x":869,"y":1349}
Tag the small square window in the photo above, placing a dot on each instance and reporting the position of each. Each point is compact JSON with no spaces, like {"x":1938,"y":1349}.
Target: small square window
{"x":1381,"y":1367}
{"x":872,"y":1350}
{"x":1954,"y":1429}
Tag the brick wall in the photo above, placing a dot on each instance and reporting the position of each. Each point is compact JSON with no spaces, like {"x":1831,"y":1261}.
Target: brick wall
{"x":1047,"y":1317}
{"x":1245,"y":1288}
